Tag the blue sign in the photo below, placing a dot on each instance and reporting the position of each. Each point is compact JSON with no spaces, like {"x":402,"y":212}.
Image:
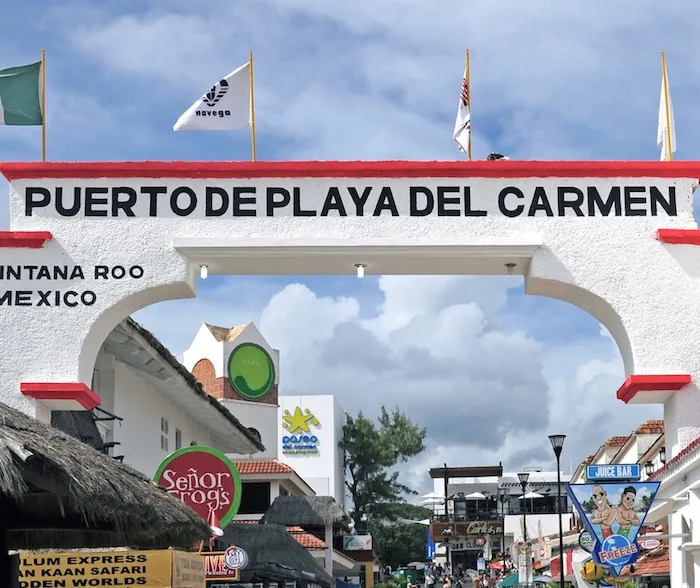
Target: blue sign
{"x":429,"y":547}
{"x":613,"y":472}
{"x":613,"y":514}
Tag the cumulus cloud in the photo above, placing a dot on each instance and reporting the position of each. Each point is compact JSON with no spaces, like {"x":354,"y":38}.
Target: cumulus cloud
{"x":442,"y":349}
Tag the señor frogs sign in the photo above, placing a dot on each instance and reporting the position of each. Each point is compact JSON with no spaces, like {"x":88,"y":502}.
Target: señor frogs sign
{"x":204,"y":479}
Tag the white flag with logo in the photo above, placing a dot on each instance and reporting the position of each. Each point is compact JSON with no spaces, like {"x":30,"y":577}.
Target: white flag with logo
{"x":463,"y":124}
{"x":225,"y":107}
{"x":666,"y":132}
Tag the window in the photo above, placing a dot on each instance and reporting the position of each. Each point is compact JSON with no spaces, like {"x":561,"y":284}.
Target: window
{"x":255,"y":498}
{"x":163,"y":434}
{"x":178,"y":438}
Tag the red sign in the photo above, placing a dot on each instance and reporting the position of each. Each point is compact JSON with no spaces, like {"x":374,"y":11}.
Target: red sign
{"x":216,"y":568}
{"x":204,"y":479}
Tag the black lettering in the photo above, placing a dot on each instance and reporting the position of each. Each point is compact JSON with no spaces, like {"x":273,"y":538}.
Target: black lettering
{"x":175,"y":205}
{"x":101,"y":272}
{"x":468,"y":211}
{"x":70,"y":302}
{"x":668,"y":205}
{"x":595,"y":201}
{"x":126,"y":205}
{"x":273,"y":203}
{"x":92,"y":200}
{"x":153,"y":193}
{"x":443,"y":201}
{"x":118,"y":272}
{"x":333,"y":202}
{"x":44,"y":298}
{"x":23,"y":298}
{"x":88,"y":298}
{"x":540,"y":202}
{"x":239,"y":200}
{"x":632,"y":200}
{"x":35,"y":197}
{"x":74,"y":209}
{"x":136,"y":272}
{"x":386,"y":202}
{"x":510,"y":212}
{"x":209,"y":208}
{"x":296,"y":206}
{"x":414,"y":209}
{"x":565,"y":203}
{"x":358,"y":200}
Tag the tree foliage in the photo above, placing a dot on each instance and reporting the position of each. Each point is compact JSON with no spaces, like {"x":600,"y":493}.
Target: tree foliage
{"x":371,"y":451}
{"x":402,"y":543}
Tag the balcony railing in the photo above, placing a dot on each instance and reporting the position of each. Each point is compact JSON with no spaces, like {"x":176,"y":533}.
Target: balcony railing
{"x":496,"y":514}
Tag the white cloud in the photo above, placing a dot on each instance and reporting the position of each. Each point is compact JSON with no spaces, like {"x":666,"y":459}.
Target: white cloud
{"x":437,"y":347}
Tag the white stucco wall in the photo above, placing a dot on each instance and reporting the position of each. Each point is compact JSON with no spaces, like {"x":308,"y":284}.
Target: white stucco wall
{"x":141,"y":405}
{"x":262,"y":417}
{"x":205,"y":346}
{"x":322,"y":470}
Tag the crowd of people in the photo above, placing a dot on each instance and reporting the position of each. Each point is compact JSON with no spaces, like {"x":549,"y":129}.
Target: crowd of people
{"x":439,"y":576}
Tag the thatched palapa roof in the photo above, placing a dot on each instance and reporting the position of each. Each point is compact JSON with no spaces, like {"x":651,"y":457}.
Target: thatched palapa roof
{"x":273,"y":554}
{"x":305,"y":511}
{"x":56,"y":491}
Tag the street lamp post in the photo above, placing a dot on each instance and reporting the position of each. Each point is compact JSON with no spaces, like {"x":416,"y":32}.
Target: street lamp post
{"x":557,"y":445}
{"x":523,"y":478}
{"x":503,"y":497}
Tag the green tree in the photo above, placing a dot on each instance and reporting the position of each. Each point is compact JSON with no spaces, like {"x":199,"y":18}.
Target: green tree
{"x":402,"y":543}
{"x":371,"y":450}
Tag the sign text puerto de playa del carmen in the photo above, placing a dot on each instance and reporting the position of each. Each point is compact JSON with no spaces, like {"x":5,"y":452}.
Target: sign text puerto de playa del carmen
{"x":328,"y":198}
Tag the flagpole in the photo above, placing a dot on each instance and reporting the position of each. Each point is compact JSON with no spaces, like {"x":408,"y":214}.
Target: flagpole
{"x":668,"y":105}
{"x":469,"y":93}
{"x":43,"y":105}
{"x":252,"y":109}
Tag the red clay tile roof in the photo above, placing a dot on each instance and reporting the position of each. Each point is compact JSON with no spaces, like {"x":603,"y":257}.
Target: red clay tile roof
{"x":654,"y":563}
{"x":262,"y":466}
{"x":306,"y":540}
{"x":615,"y":442}
{"x":688,"y":449}
{"x":652,"y":427}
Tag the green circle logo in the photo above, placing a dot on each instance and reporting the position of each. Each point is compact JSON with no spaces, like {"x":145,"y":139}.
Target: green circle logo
{"x":251,"y":371}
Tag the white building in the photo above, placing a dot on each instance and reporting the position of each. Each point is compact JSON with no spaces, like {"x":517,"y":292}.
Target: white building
{"x":151,"y":405}
{"x":310,"y":431}
{"x":301,"y":431}
{"x":488,"y":495}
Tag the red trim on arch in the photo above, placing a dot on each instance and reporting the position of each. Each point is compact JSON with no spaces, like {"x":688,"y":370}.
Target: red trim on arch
{"x":679,"y":236}
{"x":353,"y":169}
{"x":24,"y":239}
{"x":76,"y":391}
{"x":653,"y":383}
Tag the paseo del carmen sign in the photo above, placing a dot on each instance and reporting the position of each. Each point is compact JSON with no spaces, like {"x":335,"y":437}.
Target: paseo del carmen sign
{"x":204,"y":479}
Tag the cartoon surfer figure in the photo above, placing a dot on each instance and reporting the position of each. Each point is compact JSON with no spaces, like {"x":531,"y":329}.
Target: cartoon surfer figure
{"x":626,"y":515}
{"x":603,"y":514}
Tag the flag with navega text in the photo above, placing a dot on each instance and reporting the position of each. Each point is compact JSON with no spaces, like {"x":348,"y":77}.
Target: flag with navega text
{"x":20,"y":95}
{"x":225,"y":107}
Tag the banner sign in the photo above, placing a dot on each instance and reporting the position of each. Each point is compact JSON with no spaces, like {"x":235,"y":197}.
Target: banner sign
{"x":204,"y":479}
{"x":225,"y":565}
{"x":154,"y":569}
{"x":613,"y":515}
{"x":429,"y":546}
{"x":613,"y":472}
{"x":357,"y":543}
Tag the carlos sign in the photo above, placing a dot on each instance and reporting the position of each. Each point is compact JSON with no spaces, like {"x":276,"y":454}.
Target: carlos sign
{"x":204,"y":479}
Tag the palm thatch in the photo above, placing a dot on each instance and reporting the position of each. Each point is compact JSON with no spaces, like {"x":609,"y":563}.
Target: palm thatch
{"x":273,"y":554}
{"x":306,"y":511}
{"x":58,"y":492}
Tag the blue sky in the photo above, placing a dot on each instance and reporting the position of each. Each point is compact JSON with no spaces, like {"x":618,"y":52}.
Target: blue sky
{"x":380,"y":80}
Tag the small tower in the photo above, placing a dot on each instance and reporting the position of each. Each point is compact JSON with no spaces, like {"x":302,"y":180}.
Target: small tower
{"x":239,"y":368}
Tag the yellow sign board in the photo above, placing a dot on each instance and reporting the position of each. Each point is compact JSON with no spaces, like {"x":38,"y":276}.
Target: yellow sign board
{"x":151,"y":569}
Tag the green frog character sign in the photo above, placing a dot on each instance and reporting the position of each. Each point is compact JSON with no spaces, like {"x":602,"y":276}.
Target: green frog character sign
{"x":613,"y":514}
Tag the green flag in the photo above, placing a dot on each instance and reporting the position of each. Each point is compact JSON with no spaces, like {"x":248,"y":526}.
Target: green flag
{"x":20,"y":95}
